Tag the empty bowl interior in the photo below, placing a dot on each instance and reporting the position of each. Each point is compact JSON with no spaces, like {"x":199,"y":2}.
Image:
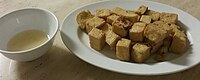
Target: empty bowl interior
{"x":26,"y":19}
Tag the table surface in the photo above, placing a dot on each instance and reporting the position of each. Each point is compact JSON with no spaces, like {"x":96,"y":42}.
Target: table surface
{"x":59,"y":63}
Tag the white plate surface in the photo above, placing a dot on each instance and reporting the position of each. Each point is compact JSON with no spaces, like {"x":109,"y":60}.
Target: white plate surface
{"x":77,"y":41}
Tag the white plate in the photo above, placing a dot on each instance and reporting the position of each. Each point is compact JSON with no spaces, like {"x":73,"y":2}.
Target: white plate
{"x":77,"y":41}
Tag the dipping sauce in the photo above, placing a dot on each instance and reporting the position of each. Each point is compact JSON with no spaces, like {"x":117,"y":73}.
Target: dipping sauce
{"x":26,"y":40}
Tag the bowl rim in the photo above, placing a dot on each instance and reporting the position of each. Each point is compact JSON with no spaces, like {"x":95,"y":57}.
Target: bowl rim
{"x":34,"y":48}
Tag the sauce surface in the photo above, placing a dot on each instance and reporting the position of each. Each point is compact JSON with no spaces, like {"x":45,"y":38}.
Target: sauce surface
{"x":26,"y":40}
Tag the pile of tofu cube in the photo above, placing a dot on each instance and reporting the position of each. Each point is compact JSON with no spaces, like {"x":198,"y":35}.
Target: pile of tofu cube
{"x":134,"y":35}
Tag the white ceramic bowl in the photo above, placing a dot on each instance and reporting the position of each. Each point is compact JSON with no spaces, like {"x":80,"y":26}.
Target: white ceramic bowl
{"x":27,"y":19}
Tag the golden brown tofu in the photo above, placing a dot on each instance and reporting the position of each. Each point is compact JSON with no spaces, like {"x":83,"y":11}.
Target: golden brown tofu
{"x":161,"y":54}
{"x":123,"y":49}
{"x":133,"y":17}
{"x":103,"y":13}
{"x":118,"y":28}
{"x":136,"y":32}
{"x":82,"y":17}
{"x":164,"y":26}
{"x":142,"y":9}
{"x":140,"y":24}
{"x":126,"y":24}
{"x":169,"y":18}
{"x":106,"y":28}
{"x":179,"y":43}
{"x":153,"y":14}
{"x":131,"y":11}
{"x":140,"y":52}
{"x":155,"y":47}
{"x":134,"y":35}
{"x":112,"y":18}
{"x":112,"y":39}
{"x":97,"y":39}
{"x":94,"y":22}
{"x":154,"y":33}
{"x":119,"y":11}
{"x":175,"y":28}
{"x":146,"y":19}
{"x":158,"y":23}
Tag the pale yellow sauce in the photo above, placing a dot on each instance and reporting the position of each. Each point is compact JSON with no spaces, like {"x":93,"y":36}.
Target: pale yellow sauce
{"x":26,"y":40}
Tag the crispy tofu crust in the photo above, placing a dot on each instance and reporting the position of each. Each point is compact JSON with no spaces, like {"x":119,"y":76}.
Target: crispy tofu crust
{"x":136,"y":32}
{"x":110,"y":19}
{"x":140,"y":52}
{"x":161,"y":54}
{"x":123,"y":49}
{"x":94,"y":22}
{"x":145,"y":19}
{"x":103,"y":13}
{"x":154,"y":33}
{"x":97,"y":39}
{"x":106,"y":28}
{"x":112,"y":39}
{"x":133,"y":17}
{"x":119,"y":11}
{"x":82,"y":17}
{"x":169,"y":18}
{"x":155,"y":16}
{"x":179,"y":43}
{"x":118,"y":28}
{"x":142,"y":9}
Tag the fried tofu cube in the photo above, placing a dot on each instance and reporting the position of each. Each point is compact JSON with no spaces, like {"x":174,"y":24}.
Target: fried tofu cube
{"x":103,"y":13}
{"x":146,"y":19}
{"x":133,"y":17}
{"x":110,"y":19}
{"x":112,"y":39}
{"x":136,"y":32}
{"x":106,"y":28}
{"x":155,"y":47}
{"x":123,"y":49}
{"x":175,"y":28}
{"x":169,"y":18}
{"x":126,"y":23}
{"x":118,"y":28}
{"x":164,"y":26}
{"x":153,"y":14}
{"x":119,"y":11}
{"x":82,"y":17}
{"x":97,"y":39}
{"x":140,"y":52}
{"x":142,"y":9}
{"x":161,"y":54}
{"x":94,"y":22}
{"x":179,"y":43}
{"x":154,"y":33}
